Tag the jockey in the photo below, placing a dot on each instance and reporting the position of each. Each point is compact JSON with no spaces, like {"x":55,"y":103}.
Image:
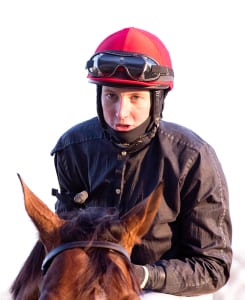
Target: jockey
{"x":118,"y":158}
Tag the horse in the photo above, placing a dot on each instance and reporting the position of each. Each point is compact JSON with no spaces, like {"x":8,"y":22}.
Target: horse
{"x":83,"y":255}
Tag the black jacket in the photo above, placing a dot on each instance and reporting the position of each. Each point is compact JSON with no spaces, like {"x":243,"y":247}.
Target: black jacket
{"x":191,"y":236}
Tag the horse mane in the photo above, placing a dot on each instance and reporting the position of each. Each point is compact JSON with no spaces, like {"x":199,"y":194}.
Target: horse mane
{"x":27,"y":280}
{"x":89,"y":224}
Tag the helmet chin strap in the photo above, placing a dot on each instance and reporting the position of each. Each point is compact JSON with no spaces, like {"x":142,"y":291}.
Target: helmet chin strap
{"x":137,"y":138}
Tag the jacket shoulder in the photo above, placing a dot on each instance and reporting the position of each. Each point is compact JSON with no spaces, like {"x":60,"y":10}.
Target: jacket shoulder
{"x":86,"y":131}
{"x":178,"y":134}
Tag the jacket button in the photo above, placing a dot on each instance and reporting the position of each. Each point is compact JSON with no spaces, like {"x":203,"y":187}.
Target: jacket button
{"x":118,"y":191}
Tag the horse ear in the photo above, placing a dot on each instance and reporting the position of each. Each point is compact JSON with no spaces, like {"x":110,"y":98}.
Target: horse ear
{"x":46,"y":221}
{"x":138,"y":220}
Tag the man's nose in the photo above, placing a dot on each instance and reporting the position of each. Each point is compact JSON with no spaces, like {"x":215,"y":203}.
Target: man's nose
{"x":123,"y":108}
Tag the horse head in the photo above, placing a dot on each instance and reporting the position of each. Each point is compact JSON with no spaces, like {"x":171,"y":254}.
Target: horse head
{"x":88,"y":254}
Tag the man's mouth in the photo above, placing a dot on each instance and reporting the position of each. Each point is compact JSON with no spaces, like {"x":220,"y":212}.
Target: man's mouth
{"x":122,"y":127}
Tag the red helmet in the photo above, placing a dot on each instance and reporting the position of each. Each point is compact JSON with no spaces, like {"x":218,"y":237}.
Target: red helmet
{"x":131,"y":56}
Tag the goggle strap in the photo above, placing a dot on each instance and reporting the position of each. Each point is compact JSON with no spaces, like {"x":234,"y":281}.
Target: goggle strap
{"x":164,"y":71}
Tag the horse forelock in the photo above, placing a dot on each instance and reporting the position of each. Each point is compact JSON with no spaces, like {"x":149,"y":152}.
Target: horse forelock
{"x":107,"y":275}
{"x":99,"y":224}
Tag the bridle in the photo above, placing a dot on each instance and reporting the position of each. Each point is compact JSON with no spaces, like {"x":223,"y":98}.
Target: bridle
{"x":81,"y":244}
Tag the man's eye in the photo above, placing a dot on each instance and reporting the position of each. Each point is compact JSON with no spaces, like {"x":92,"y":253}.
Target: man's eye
{"x":111,"y":97}
{"x":137,"y":98}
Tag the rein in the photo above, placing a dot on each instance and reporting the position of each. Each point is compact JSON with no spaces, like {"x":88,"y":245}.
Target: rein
{"x":80,"y":244}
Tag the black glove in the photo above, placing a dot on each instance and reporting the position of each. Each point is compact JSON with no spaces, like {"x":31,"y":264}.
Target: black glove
{"x":151,"y":277}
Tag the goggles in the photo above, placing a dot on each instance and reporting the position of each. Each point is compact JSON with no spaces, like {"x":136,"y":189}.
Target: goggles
{"x":137,"y":66}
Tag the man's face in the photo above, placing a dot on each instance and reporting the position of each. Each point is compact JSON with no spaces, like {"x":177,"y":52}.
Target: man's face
{"x":125,"y":109}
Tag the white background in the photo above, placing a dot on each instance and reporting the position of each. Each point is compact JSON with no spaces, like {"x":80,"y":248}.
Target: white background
{"x":44,"y":46}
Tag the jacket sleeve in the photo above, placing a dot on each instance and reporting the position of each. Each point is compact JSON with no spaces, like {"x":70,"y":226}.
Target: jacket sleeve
{"x":203,"y":260}
{"x":70,"y":182}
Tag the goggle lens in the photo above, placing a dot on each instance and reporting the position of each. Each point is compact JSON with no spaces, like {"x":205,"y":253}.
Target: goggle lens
{"x":108,"y":65}
{"x":138,"y":67}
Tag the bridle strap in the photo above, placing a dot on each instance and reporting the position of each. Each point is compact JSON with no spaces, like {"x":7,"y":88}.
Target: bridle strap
{"x":81,"y":244}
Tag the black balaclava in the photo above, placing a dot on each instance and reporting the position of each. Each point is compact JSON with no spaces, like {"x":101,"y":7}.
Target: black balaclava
{"x":140,"y":136}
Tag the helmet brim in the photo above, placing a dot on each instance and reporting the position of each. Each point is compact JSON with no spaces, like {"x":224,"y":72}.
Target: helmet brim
{"x":118,"y":82}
